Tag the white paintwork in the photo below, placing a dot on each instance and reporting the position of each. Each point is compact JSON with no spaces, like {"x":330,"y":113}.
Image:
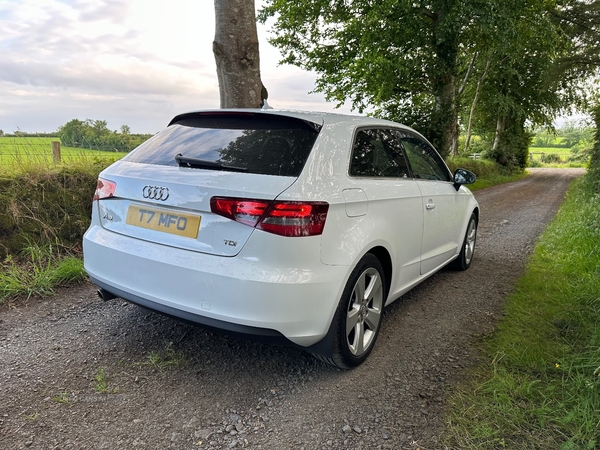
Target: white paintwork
{"x":289,"y":284}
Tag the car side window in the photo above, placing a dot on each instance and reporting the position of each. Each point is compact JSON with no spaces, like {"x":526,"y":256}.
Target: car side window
{"x":378,"y":153}
{"x":425,"y":162}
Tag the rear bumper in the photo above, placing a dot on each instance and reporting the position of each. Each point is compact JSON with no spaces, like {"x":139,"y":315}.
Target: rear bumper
{"x":258,"y":293}
{"x":244,"y":331}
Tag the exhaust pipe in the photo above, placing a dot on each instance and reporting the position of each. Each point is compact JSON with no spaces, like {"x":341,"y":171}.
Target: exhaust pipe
{"x":105,"y":295}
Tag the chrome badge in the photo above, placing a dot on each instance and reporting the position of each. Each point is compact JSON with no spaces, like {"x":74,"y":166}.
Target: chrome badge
{"x":155,"y":193}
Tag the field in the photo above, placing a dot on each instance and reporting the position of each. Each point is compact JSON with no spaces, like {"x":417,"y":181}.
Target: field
{"x":537,"y":152}
{"x":23,"y":152}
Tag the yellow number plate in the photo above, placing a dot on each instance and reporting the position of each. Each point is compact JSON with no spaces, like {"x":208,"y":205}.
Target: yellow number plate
{"x":163,"y":220}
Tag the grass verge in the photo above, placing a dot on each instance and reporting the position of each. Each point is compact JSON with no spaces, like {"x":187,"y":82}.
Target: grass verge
{"x":540,"y":387}
{"x":488,"y":173}
{"x":37,"y":272}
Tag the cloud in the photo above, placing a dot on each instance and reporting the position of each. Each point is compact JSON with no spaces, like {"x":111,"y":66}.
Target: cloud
{"x":131,"y":62}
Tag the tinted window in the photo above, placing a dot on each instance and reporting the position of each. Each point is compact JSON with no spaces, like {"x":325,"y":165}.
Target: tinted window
{"x":258,"y":143}
{"x":424,"y":161}
{"x":377,"y":153}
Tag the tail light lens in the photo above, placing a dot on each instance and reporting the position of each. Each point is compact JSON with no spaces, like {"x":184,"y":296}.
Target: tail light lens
{"x":104,"y":189}
{"x":281,"y":218}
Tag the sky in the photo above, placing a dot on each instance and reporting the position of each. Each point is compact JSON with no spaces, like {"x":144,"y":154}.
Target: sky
{"x":129,"y":62}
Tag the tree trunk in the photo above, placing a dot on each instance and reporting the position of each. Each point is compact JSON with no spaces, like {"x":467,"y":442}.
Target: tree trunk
{"x":475,"y":100}
{"x":499,"y":130}
{"x":236,"y":53}
{"x":445,"y":116}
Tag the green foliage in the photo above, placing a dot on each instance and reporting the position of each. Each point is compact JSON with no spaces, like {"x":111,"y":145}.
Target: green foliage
{"x":420,"y":63}
{"x":46,"y":207}
{"x":512,"y":147}
{"x":37,"y":270}
{"x":44,"y":211}
{"x":541,"y":387}
{"x":165,"y":358}
{"x":571,"y":145}
{"x":551,"y":158}
{"x":101,"y":382}
{"x":580,"y":21}
{"x":403,"y":58}
{"x":94,"y":134}
{"x":489,"y":173}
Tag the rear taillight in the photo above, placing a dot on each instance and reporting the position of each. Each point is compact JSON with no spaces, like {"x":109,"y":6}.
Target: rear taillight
{"x":104,"y":189}
{"x":282,"y":218}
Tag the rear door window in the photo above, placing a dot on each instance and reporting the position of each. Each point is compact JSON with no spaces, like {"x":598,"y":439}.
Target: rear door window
{"x":377,"y":153}
{"x":256,"y":143}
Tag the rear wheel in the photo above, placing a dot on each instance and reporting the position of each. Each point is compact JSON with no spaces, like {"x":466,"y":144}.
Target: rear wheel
{"x":463,"y":262}
{"x":358,"y":318}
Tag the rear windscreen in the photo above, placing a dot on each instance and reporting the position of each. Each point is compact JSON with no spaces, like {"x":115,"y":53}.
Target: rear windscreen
{"x":257,"y":143}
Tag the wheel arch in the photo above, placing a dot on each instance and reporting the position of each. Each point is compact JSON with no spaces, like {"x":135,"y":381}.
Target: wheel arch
{"x":385,"y":259}
{"x":476,"y":212}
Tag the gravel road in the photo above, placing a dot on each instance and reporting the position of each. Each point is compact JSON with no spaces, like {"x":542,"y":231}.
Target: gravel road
{"x":76,"y":372}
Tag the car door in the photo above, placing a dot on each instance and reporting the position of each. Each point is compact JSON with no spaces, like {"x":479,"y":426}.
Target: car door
{"x":395,"y":215}
{"x":440,"y":203}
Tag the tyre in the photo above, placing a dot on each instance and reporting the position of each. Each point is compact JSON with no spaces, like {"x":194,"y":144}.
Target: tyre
{"x":463,"y":262}
{"x":358,"y":318}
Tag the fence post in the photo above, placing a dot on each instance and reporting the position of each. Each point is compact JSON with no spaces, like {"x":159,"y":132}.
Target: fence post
{"x":56,"y":152}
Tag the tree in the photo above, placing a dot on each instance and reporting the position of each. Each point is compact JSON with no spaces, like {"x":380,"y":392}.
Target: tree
{"x":538,"y":69}
{"x":72,"y":133}
{"x":517,"y":89}
{"x":405,"y":58}
{"x":580,"y":20}
{"x":236,"y":53}
{"x":94,"y":134}
{"x":421,"y":62}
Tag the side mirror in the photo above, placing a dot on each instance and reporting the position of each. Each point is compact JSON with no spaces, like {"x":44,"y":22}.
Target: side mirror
{"x":463,"y":176}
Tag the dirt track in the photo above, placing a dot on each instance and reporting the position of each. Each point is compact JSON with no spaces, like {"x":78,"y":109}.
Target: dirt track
{"x":171,"y":385}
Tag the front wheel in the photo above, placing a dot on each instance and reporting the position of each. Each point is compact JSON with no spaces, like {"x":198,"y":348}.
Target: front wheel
{"x":463,"y":262}
{"x":358,"y":318}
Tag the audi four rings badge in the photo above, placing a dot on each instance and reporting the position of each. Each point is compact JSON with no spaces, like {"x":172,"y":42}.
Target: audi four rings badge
{"x":155,"y":192}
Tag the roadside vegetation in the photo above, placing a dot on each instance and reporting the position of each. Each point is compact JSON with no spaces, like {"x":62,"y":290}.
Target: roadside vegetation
{"x":45,"y":208}
{"x":569,"y":146}
{"x":539,"y":384}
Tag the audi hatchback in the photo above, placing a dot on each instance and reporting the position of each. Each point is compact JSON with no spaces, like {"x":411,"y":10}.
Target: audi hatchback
{"x":286,"y":226}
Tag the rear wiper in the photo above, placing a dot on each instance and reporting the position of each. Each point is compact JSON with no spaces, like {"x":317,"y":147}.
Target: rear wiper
{"x":196,"y":163}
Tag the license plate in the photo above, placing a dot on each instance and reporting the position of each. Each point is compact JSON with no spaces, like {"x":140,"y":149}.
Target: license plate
{"x":163,"y":220}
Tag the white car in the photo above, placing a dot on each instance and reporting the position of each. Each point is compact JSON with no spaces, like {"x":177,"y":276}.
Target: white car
{"x":288,"y":226}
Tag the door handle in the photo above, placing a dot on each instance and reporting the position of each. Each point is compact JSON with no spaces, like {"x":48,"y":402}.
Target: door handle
{"x":430,"y":206}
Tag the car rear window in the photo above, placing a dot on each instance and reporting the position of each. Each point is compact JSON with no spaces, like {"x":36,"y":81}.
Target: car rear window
{"x":256,"y":143}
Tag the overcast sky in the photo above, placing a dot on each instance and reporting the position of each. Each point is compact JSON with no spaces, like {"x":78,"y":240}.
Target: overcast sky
{"x":129,"y":62}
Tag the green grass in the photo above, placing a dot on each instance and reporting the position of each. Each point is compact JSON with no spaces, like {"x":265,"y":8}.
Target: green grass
{"x":38,"y":271}
{"x":165,"y":358}
{"x":562,"y":151}
{"x":540,"y":388}
{"x":25,"y":153}
{"x":545,"y":157}
{"x":100,"y":381}
{"x":45,"y":210}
